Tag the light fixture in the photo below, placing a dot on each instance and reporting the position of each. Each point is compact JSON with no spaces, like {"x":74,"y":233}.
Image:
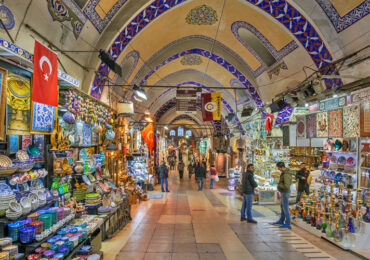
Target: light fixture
{"x":148,"y":119}
{"x":140,"y":92}
{"x":306,"y":105}
{"x":125,"y":108}
{"x":137,"y":99}
{"x":165,"y":127}
{"x":147,"y":113}
{"x":335,"y":95}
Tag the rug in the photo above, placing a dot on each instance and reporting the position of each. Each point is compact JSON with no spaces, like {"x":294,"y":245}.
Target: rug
{"x":335,"y":123}
{"x":301,"y":127}
{"x":351,"y":121}
{"x":365,"y":119}
{"x":322,"y":124}
{"x":311,"y":126}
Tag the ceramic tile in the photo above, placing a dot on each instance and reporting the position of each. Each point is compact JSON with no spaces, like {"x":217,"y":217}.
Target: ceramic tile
{"x":157,"y":256}
{"x":185,"y":256}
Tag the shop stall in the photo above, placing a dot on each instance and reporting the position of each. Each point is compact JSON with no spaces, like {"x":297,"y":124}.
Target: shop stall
{"x":338,"y":210}
{"x":61,"y":168}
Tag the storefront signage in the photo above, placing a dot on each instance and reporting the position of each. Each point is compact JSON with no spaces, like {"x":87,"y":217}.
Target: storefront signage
{"x":333,"y":103}
{"x":360,"y":95}
{"x":186,"y":101}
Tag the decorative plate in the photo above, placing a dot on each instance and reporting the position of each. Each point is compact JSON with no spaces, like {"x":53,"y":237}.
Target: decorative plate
{"x":351,"y":162}
{"x":342,"y":161}
{"x":333,"y":160}
{"x":5,"y":161}
{"x":22,"y":155}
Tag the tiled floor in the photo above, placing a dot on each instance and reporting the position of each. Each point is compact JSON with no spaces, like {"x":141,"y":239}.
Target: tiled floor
{"x":190,"y":224}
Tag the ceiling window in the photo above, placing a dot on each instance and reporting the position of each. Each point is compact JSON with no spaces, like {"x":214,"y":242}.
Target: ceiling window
{"x":253,"y":42}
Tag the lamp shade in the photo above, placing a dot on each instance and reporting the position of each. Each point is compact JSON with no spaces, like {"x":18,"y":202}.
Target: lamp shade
{"x":125,"y":108}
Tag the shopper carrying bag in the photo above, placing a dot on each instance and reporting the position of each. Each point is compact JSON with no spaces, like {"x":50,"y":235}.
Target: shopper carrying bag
{"x":212,"y":175}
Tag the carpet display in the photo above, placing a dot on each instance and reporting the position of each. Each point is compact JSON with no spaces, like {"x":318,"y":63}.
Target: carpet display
{"x":351,"y":121}
{"x":335,"y":123}
{"x":322,"y":124}
{"x":301,"y":126}
{"x":311,"y":126}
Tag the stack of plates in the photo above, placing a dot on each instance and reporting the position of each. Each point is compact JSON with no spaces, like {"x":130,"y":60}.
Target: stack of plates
{"x":5,"y":198}
{"x":14,"y":211}
{"x":79,"y":194}
{"x":92,"y":199}
{"x":102,"y":210}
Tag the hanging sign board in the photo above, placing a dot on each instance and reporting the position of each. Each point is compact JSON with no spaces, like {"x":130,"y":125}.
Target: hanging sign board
{"x":186,"y":101}
{"x":333,"y":103}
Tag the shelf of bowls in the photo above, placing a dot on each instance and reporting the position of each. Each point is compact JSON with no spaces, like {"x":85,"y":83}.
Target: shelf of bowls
{"x":364,"y":162}
{"x":338,"y":214}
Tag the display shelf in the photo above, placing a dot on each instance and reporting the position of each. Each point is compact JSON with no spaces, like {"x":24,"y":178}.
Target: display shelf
{"x":29,"y":248}
{"x":354,"y":240}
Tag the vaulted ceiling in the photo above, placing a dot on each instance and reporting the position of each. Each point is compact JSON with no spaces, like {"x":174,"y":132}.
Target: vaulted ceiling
{"x":259,"y":45}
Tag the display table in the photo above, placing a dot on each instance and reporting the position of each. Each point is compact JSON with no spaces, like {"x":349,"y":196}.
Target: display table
{"x":266,"y":197}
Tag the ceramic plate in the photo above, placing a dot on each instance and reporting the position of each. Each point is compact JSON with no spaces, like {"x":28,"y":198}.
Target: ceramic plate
{"x":22,"y":155}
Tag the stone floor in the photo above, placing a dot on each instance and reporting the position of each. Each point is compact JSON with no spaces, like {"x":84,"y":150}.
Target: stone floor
{"x":191,"y":224}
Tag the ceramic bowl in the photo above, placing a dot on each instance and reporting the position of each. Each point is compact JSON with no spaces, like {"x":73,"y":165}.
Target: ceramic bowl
{"x":26,"y":202}
{"x":33,"y":150}
{"x":41,"y":195}
{"x":15,"y":206}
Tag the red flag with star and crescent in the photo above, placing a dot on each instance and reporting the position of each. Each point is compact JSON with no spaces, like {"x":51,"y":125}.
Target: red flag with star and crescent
{"x":148,"y":136}
{"x":45,"y":76}
{"x":269,"y":119}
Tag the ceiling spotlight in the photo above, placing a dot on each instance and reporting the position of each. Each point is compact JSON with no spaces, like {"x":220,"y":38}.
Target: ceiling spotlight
{"x":317,"y":86}
{"x":137,"y":99}
{"x":148,"y":119}
{"x":147,"y":113}
{"x":230,"y":117}
{"x":140,"y":92}
{"x":306,"y":105}
{"x":165,"y":127}
{"x":335,"y":95}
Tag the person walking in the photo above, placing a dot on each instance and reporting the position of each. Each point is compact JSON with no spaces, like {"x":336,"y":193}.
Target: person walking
{"x":200,"y":175}
{"x":163,"y":175}
{"x":181,"y":167}
{"x":284,"y":188}
{"x":302,"y":179}
{"x":212,"y":175}
{"x":190,"y":169}
{"x":248,"y":186}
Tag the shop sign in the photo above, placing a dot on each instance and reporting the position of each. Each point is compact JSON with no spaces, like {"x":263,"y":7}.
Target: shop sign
{"x":64,"y":76}
{"x":186,"y":101}
{"x":360,"y":95}
{"x":333,"y":103}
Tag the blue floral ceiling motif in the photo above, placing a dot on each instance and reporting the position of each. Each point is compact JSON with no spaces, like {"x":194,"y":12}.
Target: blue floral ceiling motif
{"x":284,"y":116}
{"x":7,"y":17}
{"x":202,"y":15}
{"x":94,"y":17}
{"x":66,"y":10}
{"x":343,"y":22}
{"x":278,"y":55}
{"x":191,"y":59}
{"x":281,"y":10}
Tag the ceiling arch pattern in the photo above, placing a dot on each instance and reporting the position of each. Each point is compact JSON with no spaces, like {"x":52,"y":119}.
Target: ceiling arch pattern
{"x":281,"y":10}
{"x":244,"y":96}
{"x":204,"y":76}
{"x":278,"y":55}
{"x":342,"y":22}
{"x":229,"y":67}
{"x":185,"y":117}
{"x":184,"y":39}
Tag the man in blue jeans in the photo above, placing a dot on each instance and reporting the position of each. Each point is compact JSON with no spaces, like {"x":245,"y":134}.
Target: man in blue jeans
{"x":248,"y":186}
{"x":284,"y":189}
{"x":200,"y":174}
{"x":163,"y":175}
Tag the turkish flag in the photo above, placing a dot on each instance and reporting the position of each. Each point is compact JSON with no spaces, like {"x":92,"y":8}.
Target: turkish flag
{"x":269,"y":119}
{"x":148,"y":136}
{"x":45,"y":76}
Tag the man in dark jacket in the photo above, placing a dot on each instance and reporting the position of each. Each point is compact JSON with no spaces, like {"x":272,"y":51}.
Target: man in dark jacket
{"x":284,"y":189}
{"x":190,"y":169}
{"x":302,"y":177}
{"x":248,"y":186}
{"x":200,"y":175}
{"x":163,"y":175}
{"x":181,"y":167}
